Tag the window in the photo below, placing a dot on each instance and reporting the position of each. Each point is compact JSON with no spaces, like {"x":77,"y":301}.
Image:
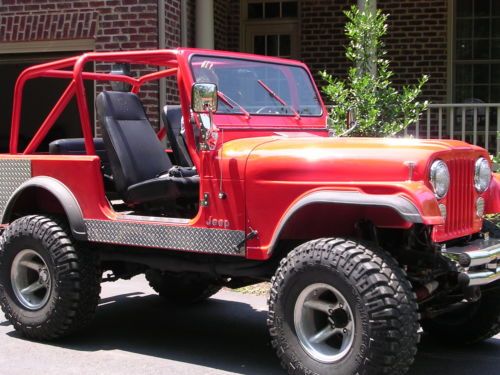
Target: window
{"x":273,"y":9}
{"x":260,"y":88}
{"x":476,"y":67}
{"x":272,"y":45}
{"x":477,"y":51}
{"x":271,"y":28}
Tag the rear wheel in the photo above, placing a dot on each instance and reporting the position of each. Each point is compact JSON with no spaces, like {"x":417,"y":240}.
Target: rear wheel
{"x":492,"y":228}
{"x":473,"y":323}
{"x":49,"y":286}
{"x":337,"y":307}
{"x":185,"y":288}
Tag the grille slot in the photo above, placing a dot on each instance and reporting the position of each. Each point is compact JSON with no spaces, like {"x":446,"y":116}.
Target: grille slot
{"x":460,"y":199}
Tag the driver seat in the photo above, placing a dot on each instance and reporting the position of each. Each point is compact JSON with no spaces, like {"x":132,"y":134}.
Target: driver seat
{"x":137,"y":158}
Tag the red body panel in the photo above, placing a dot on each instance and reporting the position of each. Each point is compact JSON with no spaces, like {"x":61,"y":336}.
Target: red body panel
{"x":87,"y":187}
{"x":263,"y":164}
{"x":493,"y":203}
{"x":86,"y":184}
{"x":281,"y":170}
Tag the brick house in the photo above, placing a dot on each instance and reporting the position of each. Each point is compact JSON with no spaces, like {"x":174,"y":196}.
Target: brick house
{"x":456,"y":42}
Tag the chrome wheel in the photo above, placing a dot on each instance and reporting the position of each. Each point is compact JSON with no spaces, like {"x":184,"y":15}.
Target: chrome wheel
{"x":324,"y":323}
{"x":31,"y":279}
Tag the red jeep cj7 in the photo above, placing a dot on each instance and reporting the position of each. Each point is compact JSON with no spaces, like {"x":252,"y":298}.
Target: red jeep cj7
{"x":364,"y":240}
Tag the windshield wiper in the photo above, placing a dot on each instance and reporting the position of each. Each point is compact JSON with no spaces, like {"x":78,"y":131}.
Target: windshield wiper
{"x":227,"y":101}
{"x":276,"y":96}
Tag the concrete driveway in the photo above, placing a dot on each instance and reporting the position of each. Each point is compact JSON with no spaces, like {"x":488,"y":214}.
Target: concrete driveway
{"x":136,"y":333}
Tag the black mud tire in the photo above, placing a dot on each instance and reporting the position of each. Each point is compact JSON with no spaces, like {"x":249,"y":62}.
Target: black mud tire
{"x":74,"y":275}
{"x":381,"y":298}
{"x":473,"y":323}
{"x":182,"y":289}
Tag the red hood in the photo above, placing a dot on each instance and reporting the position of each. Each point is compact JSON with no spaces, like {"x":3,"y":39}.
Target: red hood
{"x":321,"y":159}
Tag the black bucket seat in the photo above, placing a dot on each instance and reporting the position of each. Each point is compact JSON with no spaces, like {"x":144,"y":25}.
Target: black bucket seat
{"x":138,"y":160}
{"x":171,"y":116}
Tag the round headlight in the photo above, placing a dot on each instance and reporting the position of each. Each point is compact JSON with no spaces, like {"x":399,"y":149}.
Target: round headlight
{"x":482,"y":175}
{"x":440,"y":178}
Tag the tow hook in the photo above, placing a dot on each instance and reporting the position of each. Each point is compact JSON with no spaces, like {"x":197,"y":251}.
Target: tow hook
{"x":472,"y":293}
{"x":425,"y":291}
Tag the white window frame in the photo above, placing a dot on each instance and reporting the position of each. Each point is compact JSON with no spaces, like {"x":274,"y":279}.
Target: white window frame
{"x":268,"y":26}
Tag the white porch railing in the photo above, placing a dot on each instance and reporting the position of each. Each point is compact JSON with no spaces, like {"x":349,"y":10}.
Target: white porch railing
{"x":476,"y":123}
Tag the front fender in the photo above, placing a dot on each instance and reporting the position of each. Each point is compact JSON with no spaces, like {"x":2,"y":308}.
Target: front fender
{"x":412,"y":201}
{"x":61,"y":193}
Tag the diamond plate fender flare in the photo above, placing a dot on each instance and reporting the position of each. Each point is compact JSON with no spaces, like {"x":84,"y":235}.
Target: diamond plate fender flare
{"x":61,"y":193}
{"x":405,"y":208}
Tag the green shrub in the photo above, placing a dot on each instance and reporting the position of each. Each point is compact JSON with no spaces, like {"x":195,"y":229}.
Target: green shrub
{"x":377,"y":107}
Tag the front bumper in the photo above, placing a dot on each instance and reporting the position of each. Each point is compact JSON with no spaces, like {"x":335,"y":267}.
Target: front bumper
{"x":479,"y":260}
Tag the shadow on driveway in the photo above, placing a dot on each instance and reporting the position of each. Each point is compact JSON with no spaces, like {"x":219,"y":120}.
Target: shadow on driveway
{"x":220,"y":334}
{"x":232,"y":336}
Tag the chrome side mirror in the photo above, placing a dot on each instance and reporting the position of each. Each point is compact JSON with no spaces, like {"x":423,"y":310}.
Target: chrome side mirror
{"x":204,"y":98}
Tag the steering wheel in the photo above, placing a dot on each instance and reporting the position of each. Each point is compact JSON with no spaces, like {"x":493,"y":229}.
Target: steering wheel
{"x":269,"y":110}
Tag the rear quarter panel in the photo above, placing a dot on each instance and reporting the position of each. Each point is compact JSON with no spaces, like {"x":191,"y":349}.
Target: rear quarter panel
{"x":81,"y":174}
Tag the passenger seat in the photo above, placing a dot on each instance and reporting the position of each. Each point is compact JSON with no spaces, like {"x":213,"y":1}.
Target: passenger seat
{"x":172,"y":120}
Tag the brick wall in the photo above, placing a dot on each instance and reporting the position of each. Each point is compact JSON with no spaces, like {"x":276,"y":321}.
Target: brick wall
{"x":191,"y":23}
{"x":227,"y":25}
{"x":21,"y":26}
{"x":172,"y":40}
{"x":233,"y":26}
{"x":113,"y":24}
{"x":129,"y":25}
{"x":416,"y":41}
{"x":322,"y":36}
{"x":221,"y":18}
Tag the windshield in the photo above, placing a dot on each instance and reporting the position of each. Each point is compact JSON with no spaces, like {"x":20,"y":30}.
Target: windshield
{"x":258,"y":88}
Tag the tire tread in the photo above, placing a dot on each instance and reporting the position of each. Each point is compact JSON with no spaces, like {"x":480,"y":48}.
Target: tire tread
{"x":77,"y":273}
{"x":390,"y":301}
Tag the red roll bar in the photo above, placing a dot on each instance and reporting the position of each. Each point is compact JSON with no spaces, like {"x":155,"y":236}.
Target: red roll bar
{"x":59,"y":69}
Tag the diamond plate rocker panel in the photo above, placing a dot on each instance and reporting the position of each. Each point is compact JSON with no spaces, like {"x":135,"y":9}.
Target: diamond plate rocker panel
{"x":13,"y":172}
{"x":203,"y":240}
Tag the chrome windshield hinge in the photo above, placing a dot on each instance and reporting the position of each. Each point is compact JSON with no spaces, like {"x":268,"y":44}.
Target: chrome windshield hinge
{"x":204,"y":201}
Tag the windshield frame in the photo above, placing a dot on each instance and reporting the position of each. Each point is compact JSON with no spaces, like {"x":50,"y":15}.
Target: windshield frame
{"x":264,"y":61}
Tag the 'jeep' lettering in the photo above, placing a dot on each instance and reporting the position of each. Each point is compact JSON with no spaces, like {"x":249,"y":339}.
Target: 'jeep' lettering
{"x":220,"y":223}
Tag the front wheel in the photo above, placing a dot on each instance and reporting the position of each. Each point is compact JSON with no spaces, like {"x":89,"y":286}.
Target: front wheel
{"x":337,"y":307}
